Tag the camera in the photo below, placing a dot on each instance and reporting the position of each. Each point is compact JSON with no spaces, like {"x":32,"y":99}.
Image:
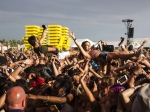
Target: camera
{"x":108,"y":48}
{"x":44,"y":27}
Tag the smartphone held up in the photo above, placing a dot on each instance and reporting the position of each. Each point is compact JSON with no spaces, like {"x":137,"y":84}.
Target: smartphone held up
{"x":123,"y":79}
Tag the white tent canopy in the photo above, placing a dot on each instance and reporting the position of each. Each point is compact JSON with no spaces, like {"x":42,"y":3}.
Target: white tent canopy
{"x":140,"y":41}
{"x":72,"y":44}
{"x":4,"y":47}
{"x":22,"y":46}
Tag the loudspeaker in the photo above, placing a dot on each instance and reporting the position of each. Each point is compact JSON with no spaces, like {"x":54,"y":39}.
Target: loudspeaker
{"x":131,"y":32}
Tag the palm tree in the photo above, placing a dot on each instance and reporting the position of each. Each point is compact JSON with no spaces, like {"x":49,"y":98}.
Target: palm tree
{"x":18,"y":42}
{"x":14,"y":43}
{"x":22,"y":42}
{"x":10,"y":42}
{"x":6,"y":43}
{"x":3,"y":41}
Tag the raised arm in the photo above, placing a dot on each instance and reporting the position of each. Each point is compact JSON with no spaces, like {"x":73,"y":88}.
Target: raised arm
{"x":11,"y":65}
{"x":86,"y":55}
{"x":43,"y":34}
{"x":142,"y":45}
{"x":145,"y":62}
{"x":24,"y":55}
{"x":86,"y":89}
{"x":16,"y":72}
{"x":2,"y":49}
{"x":54,"y":68}
{"x":52,"y":99}
{"x":94,"y":73}
{"x":126,"y":97}
{"x":86,"y":67}
{"x":8,"y":75}
{"x":67,"y":60}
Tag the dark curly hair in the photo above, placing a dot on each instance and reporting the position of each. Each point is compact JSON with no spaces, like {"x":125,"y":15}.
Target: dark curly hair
{"x":64,"y":81}
{"x":32,"y":40}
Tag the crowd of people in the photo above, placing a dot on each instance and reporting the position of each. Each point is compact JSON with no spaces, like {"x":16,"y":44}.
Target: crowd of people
{"x":90,"y":79}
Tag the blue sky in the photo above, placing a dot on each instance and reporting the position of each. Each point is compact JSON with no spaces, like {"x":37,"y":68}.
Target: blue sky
{"x":92,"y":19}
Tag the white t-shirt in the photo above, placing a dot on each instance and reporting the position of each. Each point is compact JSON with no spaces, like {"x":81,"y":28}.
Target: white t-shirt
{"x":62,"y":55}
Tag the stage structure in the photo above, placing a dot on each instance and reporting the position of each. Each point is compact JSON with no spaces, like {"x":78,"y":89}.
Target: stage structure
{"x":130,"y":29}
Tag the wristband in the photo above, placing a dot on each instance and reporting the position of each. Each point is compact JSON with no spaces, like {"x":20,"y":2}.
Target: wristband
{"x":74,"y":39}
{"x":8,"y":77}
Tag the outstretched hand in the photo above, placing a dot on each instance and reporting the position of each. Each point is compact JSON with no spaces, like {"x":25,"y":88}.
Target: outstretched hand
{"x":71,"y":33}
{"x":29,"y":61}
{"x":144,"y":41}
